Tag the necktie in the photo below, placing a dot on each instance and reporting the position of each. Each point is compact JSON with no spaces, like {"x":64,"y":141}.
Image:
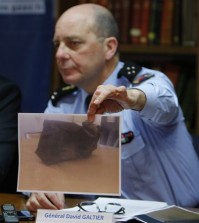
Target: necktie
{"x":87,"y":100}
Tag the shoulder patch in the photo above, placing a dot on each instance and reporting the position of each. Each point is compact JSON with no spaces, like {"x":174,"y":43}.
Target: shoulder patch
{"x":129,"y":70}
{"x":142,"y":78}
{"x":61,"y":92}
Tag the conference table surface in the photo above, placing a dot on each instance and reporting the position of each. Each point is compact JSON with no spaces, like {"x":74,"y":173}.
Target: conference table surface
{"x":19,"y":201}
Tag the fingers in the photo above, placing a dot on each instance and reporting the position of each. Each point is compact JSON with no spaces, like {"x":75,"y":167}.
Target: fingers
{"x":45,"y":201}
{"x":98,"y":97}
{"x":58,"y":200}
{"x":104,"y":92}
{"x":33,"y":202}
{"x":94,"y":110}
{"x":101,"y":103}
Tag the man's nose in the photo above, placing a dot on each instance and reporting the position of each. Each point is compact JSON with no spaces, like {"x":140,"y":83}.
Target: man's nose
{"x":62,"y":51}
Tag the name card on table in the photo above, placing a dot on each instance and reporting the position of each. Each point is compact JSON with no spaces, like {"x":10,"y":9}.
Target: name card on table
{"x":61,"y":216}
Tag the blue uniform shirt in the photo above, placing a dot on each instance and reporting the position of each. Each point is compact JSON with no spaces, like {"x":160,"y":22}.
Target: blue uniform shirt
{"x":160,"y":162}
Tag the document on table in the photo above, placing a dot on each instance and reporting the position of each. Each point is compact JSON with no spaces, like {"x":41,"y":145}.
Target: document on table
{"x":132,"y":207}
{"x":172,"y":214}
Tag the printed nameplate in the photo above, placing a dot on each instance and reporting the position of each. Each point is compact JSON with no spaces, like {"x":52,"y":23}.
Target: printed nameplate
{"x":63,"y":216}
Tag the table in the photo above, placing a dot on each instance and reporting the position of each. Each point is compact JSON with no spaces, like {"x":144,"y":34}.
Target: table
{"x":19,"y":201}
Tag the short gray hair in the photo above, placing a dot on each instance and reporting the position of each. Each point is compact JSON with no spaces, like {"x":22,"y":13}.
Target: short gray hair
{"x":105,"y":24}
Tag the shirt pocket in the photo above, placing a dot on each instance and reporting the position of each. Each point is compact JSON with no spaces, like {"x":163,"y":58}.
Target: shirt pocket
{"x":133,"y":147}
{"x":138,"y":162}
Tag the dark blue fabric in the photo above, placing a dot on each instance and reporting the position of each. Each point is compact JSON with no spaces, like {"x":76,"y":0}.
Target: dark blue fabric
{"x":26,"y":53}
{"x":195,"y":139}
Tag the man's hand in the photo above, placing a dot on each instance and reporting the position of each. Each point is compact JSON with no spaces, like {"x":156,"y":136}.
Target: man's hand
{"x":111,"y":99}
{"x":45,"y":201}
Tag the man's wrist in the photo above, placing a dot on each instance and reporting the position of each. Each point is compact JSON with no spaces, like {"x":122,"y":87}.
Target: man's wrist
{"x":137,"y":98}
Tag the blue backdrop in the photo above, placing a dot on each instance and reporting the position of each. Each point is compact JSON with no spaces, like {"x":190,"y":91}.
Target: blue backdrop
{"x":26,"y":49}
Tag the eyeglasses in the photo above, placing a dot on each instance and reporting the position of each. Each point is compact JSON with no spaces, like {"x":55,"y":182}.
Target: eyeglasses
{"x":90,"y":206}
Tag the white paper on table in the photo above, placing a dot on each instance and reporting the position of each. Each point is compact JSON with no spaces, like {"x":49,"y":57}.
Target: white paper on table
{"x":132,"y":207}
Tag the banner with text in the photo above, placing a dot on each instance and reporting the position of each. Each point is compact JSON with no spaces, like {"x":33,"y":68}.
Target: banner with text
{"x":26,"y":32}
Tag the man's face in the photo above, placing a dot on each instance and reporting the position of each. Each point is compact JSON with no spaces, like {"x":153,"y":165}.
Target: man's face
{"x":80,"y":53}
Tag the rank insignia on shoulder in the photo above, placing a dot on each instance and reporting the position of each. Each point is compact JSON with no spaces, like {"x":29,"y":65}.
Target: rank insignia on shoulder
{"x":127,"y":137}
{"x":142,"y":78}
{"x":61,"y":92}
{"x":129,"y":70}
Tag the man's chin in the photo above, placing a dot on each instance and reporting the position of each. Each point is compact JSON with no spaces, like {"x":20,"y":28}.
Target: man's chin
{"x":71,"y":77}
{"x":71,"y":81}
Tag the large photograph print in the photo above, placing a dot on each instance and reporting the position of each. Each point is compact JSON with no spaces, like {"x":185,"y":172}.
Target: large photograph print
{"x":68,"y":154}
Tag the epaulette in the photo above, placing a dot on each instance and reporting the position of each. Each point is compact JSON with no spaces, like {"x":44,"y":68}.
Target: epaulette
{"x":61,"y":92}
{"x":130,"y":71}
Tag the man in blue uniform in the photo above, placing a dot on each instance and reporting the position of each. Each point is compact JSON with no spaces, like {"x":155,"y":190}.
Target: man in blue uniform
{"x":158,"y":159}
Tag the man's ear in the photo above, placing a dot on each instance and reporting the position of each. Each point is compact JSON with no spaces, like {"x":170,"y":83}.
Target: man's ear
{"x":111,"y":45}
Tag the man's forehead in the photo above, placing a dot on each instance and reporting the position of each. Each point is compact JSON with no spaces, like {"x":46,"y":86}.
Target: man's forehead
{"x":77,"y":31}
{"x":79,"y":10}
{"x":75,"y":22}
{"x":75,"y":16}
{"x":73,"y":27}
